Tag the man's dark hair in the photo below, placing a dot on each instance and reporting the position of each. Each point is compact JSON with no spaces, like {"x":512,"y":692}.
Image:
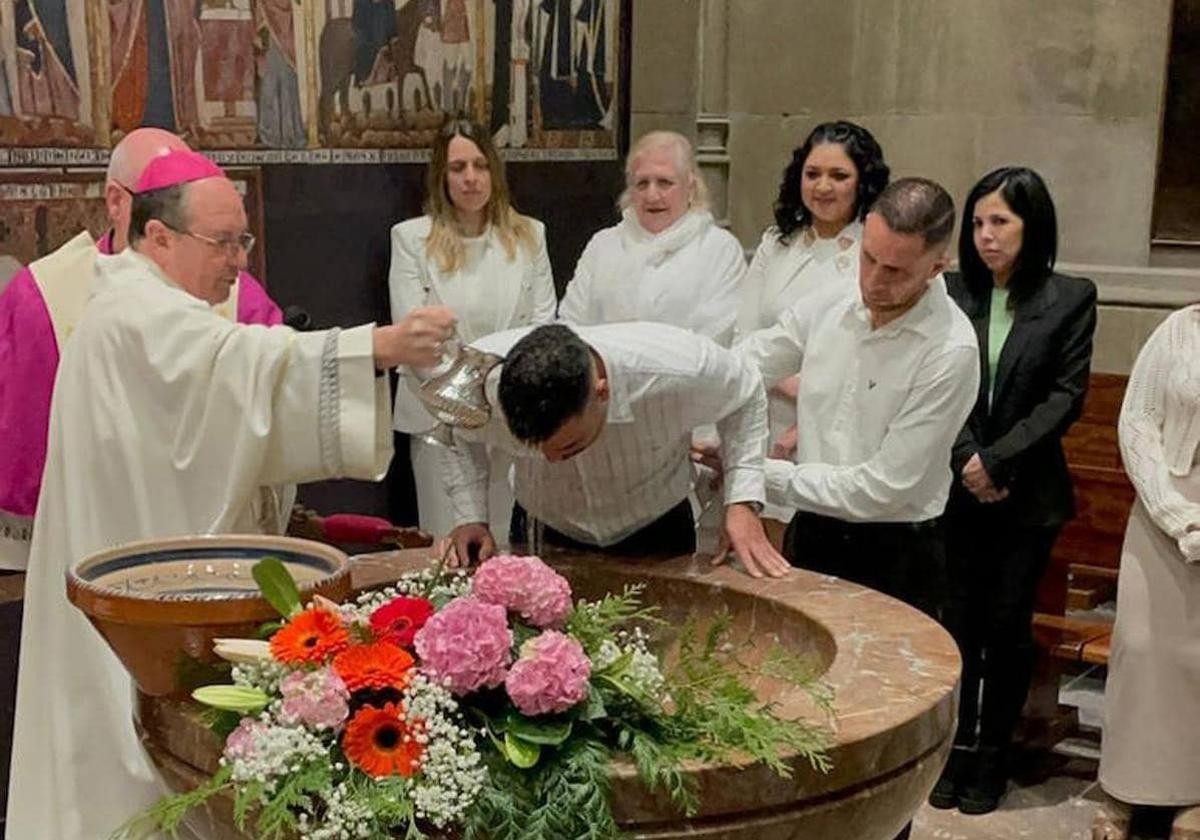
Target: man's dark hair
{"x":168,"y":205}
{"x":546,"y":380}
{"x":917,"y":205}
{"x":1025,"y":193}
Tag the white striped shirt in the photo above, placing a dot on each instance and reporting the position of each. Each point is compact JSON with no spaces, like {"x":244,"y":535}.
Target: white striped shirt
{"x":664,"y":382}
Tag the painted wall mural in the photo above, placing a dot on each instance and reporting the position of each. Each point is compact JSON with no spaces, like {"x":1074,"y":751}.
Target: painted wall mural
{"x":276,"y":80}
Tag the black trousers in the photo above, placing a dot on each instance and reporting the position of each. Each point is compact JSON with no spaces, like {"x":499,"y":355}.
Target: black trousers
{"x":994,"y":568}
{"x":906,"y":560}
{"x":903,"y":559}
{"x":672,"y":534}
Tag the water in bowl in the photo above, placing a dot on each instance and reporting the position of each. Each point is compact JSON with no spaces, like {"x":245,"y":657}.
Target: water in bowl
{"x":207,"y":579}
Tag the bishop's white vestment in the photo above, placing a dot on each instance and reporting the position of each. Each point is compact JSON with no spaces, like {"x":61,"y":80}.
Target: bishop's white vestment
{"x":166,"y":419}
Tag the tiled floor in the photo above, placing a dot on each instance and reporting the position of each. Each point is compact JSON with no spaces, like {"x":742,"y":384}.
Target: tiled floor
{"x":1055,"y":795}
{"x":1058,"y":808}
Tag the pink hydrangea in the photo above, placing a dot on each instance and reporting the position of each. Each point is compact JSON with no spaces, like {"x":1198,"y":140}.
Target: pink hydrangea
{"x":468,"y":642}
{"x":527,"y":586}
{"x":318,"y":699}
{"x":551,"y":675}
{"x":242,"y":743}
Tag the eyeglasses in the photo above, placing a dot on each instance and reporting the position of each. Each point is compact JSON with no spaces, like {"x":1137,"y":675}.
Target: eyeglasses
{"x":244,"y":240}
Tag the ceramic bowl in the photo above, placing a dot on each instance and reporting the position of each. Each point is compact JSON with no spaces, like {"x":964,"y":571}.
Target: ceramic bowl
{"x":160,"y":603}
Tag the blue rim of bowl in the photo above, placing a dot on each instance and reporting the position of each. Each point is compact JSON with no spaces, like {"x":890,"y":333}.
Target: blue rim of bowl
{"x":90,"y":573}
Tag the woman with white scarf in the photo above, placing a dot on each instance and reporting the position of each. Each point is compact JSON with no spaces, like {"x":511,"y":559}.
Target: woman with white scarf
{"x":666,"y":260}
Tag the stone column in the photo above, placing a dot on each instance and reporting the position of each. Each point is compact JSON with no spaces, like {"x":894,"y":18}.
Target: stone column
{"x":712,"y":117}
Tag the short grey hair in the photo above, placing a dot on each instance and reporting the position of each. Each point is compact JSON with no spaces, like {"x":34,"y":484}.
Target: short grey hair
{"x":168,"y":205}
{"x":917,"y":206}
{"x":685,"y":165}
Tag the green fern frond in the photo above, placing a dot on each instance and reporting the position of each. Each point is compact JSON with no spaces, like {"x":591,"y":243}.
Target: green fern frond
{"x":167,"y":814}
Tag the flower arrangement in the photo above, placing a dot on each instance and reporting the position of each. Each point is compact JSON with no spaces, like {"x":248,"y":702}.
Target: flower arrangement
{"x":489,"y":706}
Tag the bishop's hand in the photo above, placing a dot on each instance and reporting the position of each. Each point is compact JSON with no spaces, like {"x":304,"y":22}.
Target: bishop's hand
{"x":417,"y":340}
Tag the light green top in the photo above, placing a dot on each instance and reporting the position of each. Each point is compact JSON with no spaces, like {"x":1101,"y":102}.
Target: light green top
{"x":999,"y":323}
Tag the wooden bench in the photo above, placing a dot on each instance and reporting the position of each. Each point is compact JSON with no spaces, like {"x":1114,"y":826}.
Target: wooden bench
{"x":1087,"y":555}
{"x":1085,"y":560}
{"x":1072,"y":639}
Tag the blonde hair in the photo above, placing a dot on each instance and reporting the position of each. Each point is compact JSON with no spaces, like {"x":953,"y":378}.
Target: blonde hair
{"x":685,"y":165}
{"x":445,"y":242}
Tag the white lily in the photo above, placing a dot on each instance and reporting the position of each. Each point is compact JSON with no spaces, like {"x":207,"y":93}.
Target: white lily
{"x":242,"y":650}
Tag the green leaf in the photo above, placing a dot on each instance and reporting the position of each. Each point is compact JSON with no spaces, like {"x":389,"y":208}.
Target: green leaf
{"x":232,"y":698}
{"x":269,"y":628}
{"x":220,"y":722}
{"x":594,"y":708}
{"x":522,"y":633}
{"x":520,"y":752}
{"x":167,"y":814}
{"x":619,"y":686}
{"x":593,"y":622}
{"x":277,"y":585}
{"x":618,"y":665}
{"x":295,"y":793}
{"x":548,"y":731}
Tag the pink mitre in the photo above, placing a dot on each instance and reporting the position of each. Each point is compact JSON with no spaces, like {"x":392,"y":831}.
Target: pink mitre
{"x":174,"y":168}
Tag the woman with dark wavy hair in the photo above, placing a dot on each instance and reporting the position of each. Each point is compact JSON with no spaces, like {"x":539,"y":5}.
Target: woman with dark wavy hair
{"x":830,"y":184}
{"x":1034,"y":328}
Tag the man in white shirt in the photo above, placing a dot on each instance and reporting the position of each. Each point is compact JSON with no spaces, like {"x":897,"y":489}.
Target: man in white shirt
{"x":169,"y":419}
{"x":888,"y":375}
{"x":600,"y":423}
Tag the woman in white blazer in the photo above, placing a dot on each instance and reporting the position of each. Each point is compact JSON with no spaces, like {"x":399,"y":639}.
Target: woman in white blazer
{"x":827,"y":188}
{"x":471,"y":251}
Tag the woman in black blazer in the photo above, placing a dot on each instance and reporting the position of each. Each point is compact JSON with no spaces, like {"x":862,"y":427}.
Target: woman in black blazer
{"x":1012,"y":492}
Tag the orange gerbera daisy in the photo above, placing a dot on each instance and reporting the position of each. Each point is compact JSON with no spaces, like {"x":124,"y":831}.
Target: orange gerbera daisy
{"x":377,"y":665}
{"x":310,"y":637}
{"x":380,"y":742}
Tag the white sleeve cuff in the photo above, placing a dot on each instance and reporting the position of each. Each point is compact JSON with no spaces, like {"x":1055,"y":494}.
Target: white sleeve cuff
{"x":778,"y":477}
{"x":363,"y":403}
{"x":744,"y":484}
{"x":1189,"y":544}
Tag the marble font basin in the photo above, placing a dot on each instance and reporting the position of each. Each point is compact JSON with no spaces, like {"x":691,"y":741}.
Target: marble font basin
{"x":894,"y":670}
{"x":160,"y":603}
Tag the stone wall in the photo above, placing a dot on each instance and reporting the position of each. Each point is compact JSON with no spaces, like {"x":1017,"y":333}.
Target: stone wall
{"x":952,"y":89}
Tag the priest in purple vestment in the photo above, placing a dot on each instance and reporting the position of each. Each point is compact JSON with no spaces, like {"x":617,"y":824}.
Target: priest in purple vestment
{"x":39,"y":309}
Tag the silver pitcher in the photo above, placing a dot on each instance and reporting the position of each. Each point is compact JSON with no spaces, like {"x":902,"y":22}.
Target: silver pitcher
{"x":454,"y":390}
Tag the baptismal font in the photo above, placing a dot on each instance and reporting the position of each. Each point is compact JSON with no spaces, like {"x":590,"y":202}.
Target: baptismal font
{"x":893,"y":671}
